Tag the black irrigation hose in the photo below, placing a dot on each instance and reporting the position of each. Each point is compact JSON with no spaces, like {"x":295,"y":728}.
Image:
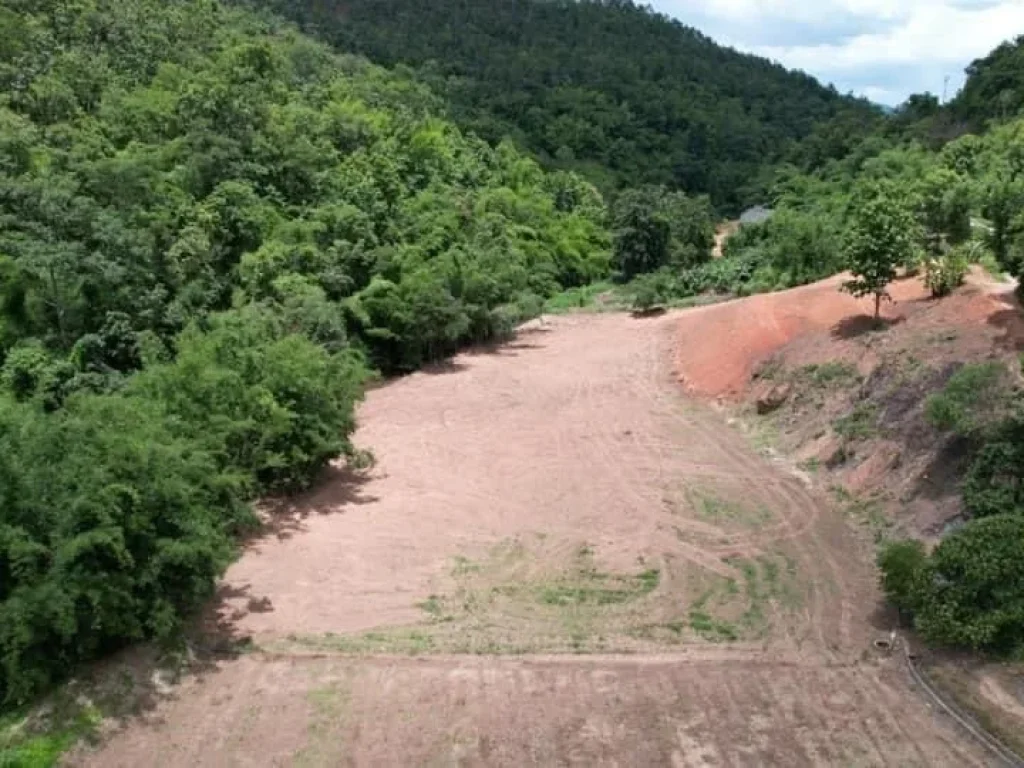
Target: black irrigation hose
{"x":986,"y":739}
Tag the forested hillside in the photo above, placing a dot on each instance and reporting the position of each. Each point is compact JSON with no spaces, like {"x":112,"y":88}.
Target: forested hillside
{"x":995,"y":85}
{"x":211,"y":229}
{"x":606,"y":87}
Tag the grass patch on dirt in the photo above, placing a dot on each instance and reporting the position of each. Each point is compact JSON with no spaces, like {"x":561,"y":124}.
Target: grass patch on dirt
{"x":709,"y":627}
{"x":734,"y":609}
{"x":25,"y":742}
{"x":764,"y":433}
{"x":764,"y":588}
{"x":329,"y":706}
{"x":517,"y":601}
{"x":868,"y":512}
{"x":713,"y":509}
{"x":835,"y":373}
{"x":860,"y":424}
{"x":712,"y":629}
{"x":596,"y":297}
{"x":398,"y":640}
{"x":590,"y":587}
{"x":513,"y":601}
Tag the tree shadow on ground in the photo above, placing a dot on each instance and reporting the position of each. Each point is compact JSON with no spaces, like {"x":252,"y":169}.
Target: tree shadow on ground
{"x":942,"y":478}
{"x":503,"y":348}
{"x":444,"y":367}
{"x":507,"y":348}
{"x":339,"y":486}
{"x":859,"y":325}
{"x":1010,"y":322}
{"x":645,"y":314}
{"x":885,"y":617}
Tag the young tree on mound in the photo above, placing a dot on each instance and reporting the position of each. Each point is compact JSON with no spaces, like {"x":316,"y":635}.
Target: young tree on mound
{"x":882,"y":235}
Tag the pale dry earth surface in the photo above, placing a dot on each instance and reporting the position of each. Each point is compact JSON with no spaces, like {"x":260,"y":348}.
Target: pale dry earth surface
{"x":558,"y":559}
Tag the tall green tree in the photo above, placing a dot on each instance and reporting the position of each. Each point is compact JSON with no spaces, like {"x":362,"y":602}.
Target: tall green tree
{"x":655,"y":227}
{"x":642,"y":231}
{"x":881,"y":237}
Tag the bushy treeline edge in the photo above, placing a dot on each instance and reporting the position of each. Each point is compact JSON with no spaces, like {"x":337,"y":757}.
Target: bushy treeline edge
{"x":212,"y":231}
{"x":963,"y":203}
{"x":968,"y":592}
{"x":960,"y":205}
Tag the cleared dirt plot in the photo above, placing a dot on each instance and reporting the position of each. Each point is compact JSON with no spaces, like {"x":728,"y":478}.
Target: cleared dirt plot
{"x":707,"y":709}
{"x":558,"y":559}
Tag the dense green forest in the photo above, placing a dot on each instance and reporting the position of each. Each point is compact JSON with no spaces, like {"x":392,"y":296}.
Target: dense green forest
{"x":608,"y":88}
{"x":995,"y":86}
{"x":211,"y":230}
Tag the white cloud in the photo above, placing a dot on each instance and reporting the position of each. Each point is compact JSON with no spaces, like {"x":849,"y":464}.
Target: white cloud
{"x":882,"y":49}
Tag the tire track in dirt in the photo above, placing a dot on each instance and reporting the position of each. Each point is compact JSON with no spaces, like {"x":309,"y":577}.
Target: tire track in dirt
{"x":786,"y":497}
{"x":564,"y":438}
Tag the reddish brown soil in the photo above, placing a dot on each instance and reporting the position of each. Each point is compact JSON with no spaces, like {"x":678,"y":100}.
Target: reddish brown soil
{"x":720,"y":346}
{"x":905,"y":464}
{"x":515,"y":491}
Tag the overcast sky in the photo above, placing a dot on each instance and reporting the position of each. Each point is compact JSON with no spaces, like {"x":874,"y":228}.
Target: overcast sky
{"x":882,"y":49}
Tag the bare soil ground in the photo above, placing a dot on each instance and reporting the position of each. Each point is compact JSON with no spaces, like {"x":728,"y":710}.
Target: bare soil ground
{"x":720,"y":346}
{"x":558,"y":559}
{"x":855,"y":395}
{"x":851,"y":415}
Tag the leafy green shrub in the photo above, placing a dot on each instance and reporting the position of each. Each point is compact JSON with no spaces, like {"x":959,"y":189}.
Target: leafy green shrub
{"x":32,"y":372}
{"x":793,"y":247}
{"x":995,"y":479}
{"x":503,"y":321}
{"x":945,"y":273}
{"x":652,"y":290}
{"x":270,"y":406}
{"x":974,"y":399}
{"x":977,"y":252}
{"x":974,"y":594}
{"x":902,"y":564}
{"x":105,"y":544}
{"x":24,"y":370}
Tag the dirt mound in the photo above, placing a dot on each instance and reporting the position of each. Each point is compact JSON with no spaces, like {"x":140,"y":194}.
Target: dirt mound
{"x":855,"y":402}
{"x":721,"y":345}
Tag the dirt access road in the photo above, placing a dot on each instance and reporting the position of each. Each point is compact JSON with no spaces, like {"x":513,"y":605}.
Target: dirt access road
{"x":558,"y":559}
